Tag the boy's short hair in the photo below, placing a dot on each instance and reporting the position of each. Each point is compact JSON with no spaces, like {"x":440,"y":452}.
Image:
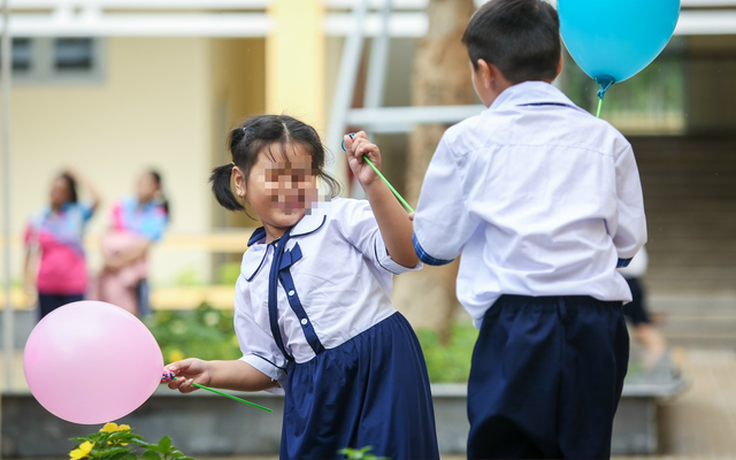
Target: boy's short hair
{"x":520,"y":37}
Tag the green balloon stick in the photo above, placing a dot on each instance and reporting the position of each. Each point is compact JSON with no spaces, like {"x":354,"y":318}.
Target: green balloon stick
{"x":227,"y":395}
{"x":383,"y":178}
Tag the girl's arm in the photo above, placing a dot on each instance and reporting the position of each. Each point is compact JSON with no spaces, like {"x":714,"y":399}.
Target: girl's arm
{"x":120,"y":260}
{"x":229,"y":375}
{"x":28,"y":285}
{"x":88,"y":185}
{"x":394,"y":223}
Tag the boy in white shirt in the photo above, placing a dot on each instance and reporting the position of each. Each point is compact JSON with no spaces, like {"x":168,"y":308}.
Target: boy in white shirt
{"x":544,"y":202}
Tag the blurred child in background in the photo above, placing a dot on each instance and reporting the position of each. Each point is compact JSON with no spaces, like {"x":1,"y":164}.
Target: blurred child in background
{"x":56,"y":237}
{"x":137,"y":222}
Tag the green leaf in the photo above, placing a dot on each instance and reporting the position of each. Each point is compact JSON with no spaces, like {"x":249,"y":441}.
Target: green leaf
{"x":154,"y":448}
{"x":165,"y":445}
{"x":150,"y":455}
{"x":113,"y":450}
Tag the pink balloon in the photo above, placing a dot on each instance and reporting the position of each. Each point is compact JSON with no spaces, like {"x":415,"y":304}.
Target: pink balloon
{"x":91,"y":362}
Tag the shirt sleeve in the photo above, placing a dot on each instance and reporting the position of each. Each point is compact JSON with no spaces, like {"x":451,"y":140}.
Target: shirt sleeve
{"x":257,"y":345}
{"x":631,"y":232}
{"x":154,"y":224}
{"x":86,"y":210}
{"x":442,"y":223}
{"x":358,"y":225}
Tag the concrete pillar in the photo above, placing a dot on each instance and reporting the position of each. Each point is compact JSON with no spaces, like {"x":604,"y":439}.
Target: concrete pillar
{"x":295,"y":61}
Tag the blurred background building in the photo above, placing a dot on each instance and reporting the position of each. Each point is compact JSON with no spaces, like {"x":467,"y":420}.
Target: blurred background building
{"x":112,"y":87}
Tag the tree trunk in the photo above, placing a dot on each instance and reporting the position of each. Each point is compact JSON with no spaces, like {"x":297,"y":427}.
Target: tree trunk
{"x":441,"y":77}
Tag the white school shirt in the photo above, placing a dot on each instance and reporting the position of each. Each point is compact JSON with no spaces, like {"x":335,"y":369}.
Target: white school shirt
{"x":539,"y":197}
{"x":343,"y":280}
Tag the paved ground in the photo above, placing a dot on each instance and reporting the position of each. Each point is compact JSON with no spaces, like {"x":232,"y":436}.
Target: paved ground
{"x":699,"y":424}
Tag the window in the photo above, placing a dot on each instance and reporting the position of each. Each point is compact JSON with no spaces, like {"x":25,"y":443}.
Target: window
{"x":57,"y":60}
{"x":73,"y":54}
{"x":22,"y":54}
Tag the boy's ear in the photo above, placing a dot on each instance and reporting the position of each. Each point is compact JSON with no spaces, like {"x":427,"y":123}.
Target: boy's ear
{"x":559,"y":67}
{"x":486,"y":72}
{"x":239,"y":181}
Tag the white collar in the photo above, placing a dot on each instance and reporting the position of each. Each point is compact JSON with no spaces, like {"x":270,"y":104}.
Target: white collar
{"x":254,"y":257}
{"x":531,"y":92}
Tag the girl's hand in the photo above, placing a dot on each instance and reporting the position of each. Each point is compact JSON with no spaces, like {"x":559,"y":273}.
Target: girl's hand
{"x":356,"y":147}
{"x":189,"y":371}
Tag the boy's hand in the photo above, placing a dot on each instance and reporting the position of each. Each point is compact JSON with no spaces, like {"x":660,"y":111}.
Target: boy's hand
{"x":356,"y":147}
{"x":187,"y":372}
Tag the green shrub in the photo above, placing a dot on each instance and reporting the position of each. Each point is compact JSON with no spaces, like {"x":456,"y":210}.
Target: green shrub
{"x":228,"y":273}
{"x":205,"y":333}
{"x":449,"y":363}
{"x":208,"y":333}
{"x":119,"y":442}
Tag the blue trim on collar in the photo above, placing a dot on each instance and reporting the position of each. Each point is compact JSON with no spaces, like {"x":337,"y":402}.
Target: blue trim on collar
{"x":258,"y":268}
{"x":257,"y":236}
{"x":426,"y":258}
{"x":307,"y":225}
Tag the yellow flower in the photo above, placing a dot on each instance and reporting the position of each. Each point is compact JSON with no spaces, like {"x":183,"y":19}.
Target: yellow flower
{"x":110,"y":427}
{"x":82,"y":451}
{"x":176,"y":355}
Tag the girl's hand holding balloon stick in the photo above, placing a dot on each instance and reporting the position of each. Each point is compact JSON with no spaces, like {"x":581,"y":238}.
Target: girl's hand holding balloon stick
{"x":364,"y":159}
{"x":195,"y":368}
{"x":356,"y":144}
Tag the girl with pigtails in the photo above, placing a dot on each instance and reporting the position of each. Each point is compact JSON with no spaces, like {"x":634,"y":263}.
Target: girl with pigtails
{"x":313,"y":313}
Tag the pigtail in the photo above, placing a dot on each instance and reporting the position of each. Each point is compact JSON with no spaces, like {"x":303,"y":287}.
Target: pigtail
{"x":160,"y":195}
{"x":222,"y":190}
{"x":164,"y":202}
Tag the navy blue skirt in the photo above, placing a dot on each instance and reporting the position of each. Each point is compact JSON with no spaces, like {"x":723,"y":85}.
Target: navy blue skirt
{"x":373,"y":390}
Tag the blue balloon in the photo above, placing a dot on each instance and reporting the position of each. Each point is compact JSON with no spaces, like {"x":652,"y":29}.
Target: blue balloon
{"x":613,"y":40}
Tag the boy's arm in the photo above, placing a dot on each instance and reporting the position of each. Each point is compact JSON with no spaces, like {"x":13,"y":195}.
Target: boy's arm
{"x":393,"y":221}
{"x":444,"y":221}
{"x":631,"y":232}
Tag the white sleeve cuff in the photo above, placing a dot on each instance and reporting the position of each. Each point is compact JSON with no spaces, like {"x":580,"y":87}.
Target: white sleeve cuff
{"x":387,"y":263}
{"x":267,"y":368}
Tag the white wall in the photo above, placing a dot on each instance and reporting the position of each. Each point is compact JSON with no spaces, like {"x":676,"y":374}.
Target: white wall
{"x":151,"y":109}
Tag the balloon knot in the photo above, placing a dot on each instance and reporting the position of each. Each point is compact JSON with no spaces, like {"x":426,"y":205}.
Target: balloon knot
{"x":604,"y":82}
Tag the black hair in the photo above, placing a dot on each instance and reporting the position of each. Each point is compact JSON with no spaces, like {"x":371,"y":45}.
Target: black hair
{"x":248,"y":139}
{"x":72,"y":184}
{"x":520,"y":37}
{"x":163,"y":201}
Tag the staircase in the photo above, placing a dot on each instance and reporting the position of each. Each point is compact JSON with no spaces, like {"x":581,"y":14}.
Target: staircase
{"x":690,"y":198}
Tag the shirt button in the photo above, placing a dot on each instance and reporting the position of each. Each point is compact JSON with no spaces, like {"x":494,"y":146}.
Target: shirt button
{"x":291,"y":293}
{"x":304,"y":321}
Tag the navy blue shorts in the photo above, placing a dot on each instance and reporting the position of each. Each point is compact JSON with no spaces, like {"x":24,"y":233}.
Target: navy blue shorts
{"x":373,"y":390}
{"x":546,"y":378}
